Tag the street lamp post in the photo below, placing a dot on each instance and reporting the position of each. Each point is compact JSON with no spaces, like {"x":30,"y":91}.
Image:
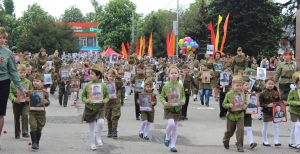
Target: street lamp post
{"x":132,"y":39}
{"x":176,"y":43}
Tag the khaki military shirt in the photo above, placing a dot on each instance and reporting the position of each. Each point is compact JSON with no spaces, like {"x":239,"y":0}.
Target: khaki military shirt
{"x":209,"y":61}
{"x":228,"y":62}
{"x":240,"y":62}
{"x":285,"y":72}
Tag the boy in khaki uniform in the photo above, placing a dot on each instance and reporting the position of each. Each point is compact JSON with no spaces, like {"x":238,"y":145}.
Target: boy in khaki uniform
{"x":20,"y":108}
{"x":113,"y":106}
{"x":205,"y":87}
{"x":140,"y":75}
{"x":235,"y":119}
{"x":37,"y":119}
{"x":122,"y":90}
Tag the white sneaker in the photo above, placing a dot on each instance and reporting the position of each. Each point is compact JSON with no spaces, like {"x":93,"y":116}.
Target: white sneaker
{"x":93,"y":147}
{"x":99,"y":142}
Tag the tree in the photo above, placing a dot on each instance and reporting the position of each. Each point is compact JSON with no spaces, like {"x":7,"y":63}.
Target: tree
{"x":97,"y":10}
{"x":13,"y":28}
{"x":9,"y":7}
{"x":115,"y":23}
{"x":90,"y":17}
{"x":45,"y":33}
{"x":254,"y":25}
{"x":72,"y":14}
{"x":1,"y":15}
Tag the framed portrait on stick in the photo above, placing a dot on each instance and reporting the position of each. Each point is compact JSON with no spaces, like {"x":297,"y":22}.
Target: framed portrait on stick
{"x":127,"y":76}
{"x":48,"y":78}
{"x":64,"y":74}
{"x":138,"y":85}
{"x":224,"y":79}
{"x":18,"y":58}
{"x":145,"y":102}
{"x":50,"y":63}
{"x":75,"y":84}
{"x":205,"y":77}
{"x":238,"y":101}
{"x":20,"y":95}
{"x":174,"y":96}
{"x":252,"y":103}
{"x":95,"y":93}
{"x":279,"y":112}
{"x":36,"y":100}
{"x":112,"y":89}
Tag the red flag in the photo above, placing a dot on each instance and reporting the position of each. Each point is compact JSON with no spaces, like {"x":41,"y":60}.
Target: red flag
{"x":128,"y":47}
{"x":167,"y":41}
{"x":124,"y":53}
{"x":150,"y":51}
{"x":225,"y":34}
{"x":137,"y":47}
{"x":212,"y":37}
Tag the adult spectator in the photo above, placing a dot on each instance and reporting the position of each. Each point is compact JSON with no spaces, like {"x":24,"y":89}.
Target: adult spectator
{"x":239,"y":62}
{"x":8,"y":71}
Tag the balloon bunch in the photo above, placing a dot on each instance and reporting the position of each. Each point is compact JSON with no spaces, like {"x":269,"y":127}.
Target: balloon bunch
{"x":187,"y":45}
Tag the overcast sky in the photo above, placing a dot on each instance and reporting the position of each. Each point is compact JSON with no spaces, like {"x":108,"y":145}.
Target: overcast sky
{"x":57,"y":7}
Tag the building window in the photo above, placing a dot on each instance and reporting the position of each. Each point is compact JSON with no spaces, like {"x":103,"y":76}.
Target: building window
{"x":82,"y":41}
{"x":90,"y":41}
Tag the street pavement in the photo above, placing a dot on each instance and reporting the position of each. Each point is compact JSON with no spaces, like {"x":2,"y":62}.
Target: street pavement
{"x":64,"y":133}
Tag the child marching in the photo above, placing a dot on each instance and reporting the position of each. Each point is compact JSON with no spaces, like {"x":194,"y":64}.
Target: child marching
{"x":94,"y":112}
{"x":235,"y":118}
{"x":172,"y":110}
{"x":147,"y":117}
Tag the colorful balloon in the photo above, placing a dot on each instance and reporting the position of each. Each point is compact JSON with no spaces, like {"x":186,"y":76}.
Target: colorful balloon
{"x":196,"y":45}
{"x":183,"y":48}
{"x":186,"y":43}
{"x":188,"y":47}
{"x":193,"y":49}
{"x":192,"y":44}
{"x":181,"y":41}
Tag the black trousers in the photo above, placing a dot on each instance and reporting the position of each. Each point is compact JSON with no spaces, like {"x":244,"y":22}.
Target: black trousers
{"x":223,"y":111}
{"x":185,"y":106}
{"x":137,"y":107}
{"x":63,"y":92}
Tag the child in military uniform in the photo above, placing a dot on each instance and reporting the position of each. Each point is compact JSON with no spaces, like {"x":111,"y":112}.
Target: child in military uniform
{"x":266,"y":98}
{"x":94,"y":112}
{"x":172,"y":113}
{"x":113,"y":106}
{"x":248,"y":117}
{"x":47,"y":71}
{"x":258,"y":86}
{"x":37,"y":119}
{"x":235,"y":119}
{"x":63,"y":90}
{"x":223,"y":90}
{"x":28,"y":72}
{"x":147,"y":117}
{"x":205,"y":88}
{"x":294,"y":102}
{"x":188,"y":84}
{"x":140,"y":75}
{"x":20,"y":108}
{"x":122,"y":90}
{"x":254,"y":65}
{"x":74,"y":94}
{"x":54,"y":80}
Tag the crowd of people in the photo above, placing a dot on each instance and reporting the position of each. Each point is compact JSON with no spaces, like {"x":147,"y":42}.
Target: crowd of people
{"x":105,"y":86}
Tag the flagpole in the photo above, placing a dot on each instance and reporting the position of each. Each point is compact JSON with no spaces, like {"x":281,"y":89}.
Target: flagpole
{"x":176,"y":43}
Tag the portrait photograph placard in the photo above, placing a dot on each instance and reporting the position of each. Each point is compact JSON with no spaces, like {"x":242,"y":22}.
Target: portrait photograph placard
{"x":50,"y":63}
{"x":251,"y":83}
{"x":20,"y":95}
{"x":138,"y":85}
{"x":114,"y":58}
{"x":252,"y":103}
{"x":174,"y":96}
{"x":95,"y":91}
{"x":238,"y":101}
{"x":279,"y":112}
{"x":36,"y":100}
{"x":261,"y":73}
{"x":224,"y":79}
{"x":64,"y":74}
{"x":112,"y":89}
{"x":75,"y":84}
{"x":127,"y":76}
{"x":18,"y":58}
{"x":217,"y":67}
{"x":210,"y":49}
{"x":47,"y":79}
{"x":145,"y":102}
{"x":205,"y":77}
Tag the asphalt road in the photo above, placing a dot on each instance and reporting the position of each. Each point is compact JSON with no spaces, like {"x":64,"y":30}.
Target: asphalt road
{"x":65,"y":133}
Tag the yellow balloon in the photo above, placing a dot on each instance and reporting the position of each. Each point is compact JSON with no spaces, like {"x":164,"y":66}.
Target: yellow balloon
{"x":188,"y":47}
{"x":181,"y":41}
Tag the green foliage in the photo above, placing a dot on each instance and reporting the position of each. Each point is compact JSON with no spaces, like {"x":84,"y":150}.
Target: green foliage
{"x":97,"y":11}
{"x":115,"y":24}
{"x":13,"y":28}
{"x":90,"y":17}
{"x":195,"y":25}
{"x":72,"y":14}
{"x":47,"y":34}
{"x":9,"y":7}
{"x":254,"y":25}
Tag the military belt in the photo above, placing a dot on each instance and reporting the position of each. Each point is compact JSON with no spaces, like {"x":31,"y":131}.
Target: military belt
{"x":286,"y":77}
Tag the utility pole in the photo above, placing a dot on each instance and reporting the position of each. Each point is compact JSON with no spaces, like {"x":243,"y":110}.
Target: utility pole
{"x":176,"y":43}
{"x":132,"y":40}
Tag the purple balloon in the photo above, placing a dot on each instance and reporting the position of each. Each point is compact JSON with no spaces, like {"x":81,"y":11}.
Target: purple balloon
{"x":196,"y":45}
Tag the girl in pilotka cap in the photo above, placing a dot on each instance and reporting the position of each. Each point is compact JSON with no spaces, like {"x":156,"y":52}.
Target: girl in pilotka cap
{"x":172,"y":113}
